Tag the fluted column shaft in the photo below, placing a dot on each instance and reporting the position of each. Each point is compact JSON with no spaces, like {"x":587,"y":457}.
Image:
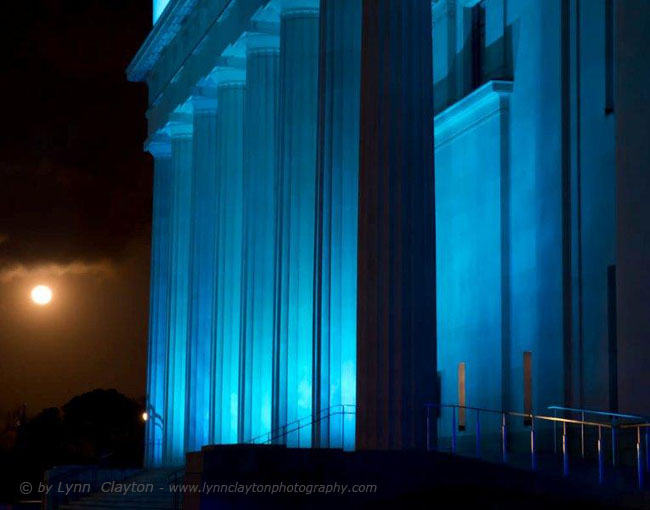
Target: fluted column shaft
{"x":203,"y":277}
{"x":180,"y":131}
{"x":335,"y":290}
{"x":160,"y":149}
{"x":260,"y":120}
{"x":396,"y":346}
{"x":228,"y":262}
{"x":296,"y":186}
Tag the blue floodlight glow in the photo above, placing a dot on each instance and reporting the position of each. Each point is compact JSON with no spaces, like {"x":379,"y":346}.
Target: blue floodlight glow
{"x":254,"y":220}
{"x":253,"y":309}
{"x":158,"y":8}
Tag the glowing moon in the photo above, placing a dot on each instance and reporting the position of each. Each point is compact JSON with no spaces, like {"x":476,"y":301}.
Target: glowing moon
{"x":41,"y":295}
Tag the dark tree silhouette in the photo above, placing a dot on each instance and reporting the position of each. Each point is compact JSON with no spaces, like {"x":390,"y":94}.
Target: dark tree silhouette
{"x":103,"y":426}
{"x":99,"y":427}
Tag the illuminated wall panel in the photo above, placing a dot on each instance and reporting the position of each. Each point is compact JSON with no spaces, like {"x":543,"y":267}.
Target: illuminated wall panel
{"x":296,"y":216}
{"x":471,"y":148}
{"x":538,"y":211}
{"x":336,"y":229}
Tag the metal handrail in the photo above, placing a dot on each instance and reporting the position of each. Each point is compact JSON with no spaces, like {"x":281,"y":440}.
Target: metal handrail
{"x":172,"y":479}
{"x":287,"y":429}
{"x":525,"y":415}
{"x":633,"y":425}
{"x":600,"y":413}
{"x":612,"y":425}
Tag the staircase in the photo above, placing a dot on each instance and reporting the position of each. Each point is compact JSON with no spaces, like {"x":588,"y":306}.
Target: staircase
{"x":147,"y":489}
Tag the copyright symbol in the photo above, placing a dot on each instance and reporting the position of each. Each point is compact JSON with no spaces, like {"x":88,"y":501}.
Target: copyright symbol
{"x":25,"y":488}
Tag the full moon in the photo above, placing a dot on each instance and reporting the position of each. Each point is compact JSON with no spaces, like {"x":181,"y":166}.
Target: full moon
{"x":41,"y":295}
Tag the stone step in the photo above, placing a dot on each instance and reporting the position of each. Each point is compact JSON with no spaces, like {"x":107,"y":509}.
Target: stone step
{"x":121,"y":507}
{"x":155,"y":500}
{"x":126,"y":500}
{"x":87,"y":504}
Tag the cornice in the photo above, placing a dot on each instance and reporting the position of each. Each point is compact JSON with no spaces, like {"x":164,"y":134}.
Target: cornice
{"x":483,"y":103}
{"x":158,"y":145}
{"x":440,"y":8}
{"x":296,"y":6}
{"x":163,"y":32}
{"x":206,"y":40}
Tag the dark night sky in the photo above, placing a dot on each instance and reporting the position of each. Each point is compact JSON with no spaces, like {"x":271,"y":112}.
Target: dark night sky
{"x":75,"y":200}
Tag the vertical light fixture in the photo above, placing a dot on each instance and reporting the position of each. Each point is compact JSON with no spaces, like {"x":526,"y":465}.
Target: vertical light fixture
{"x":528,"y":385}
{"x":461,"y":396}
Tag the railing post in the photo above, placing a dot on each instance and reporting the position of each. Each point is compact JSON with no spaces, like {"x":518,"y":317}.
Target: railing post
{"x":565,"y":451}
{"x":554,"y":431}
{"x":533,"y":456}
{"x":601,"y":463}
{"x":478,"y":433}
{"x":647,"y":451}
{"x":639,"y":459}
{"x":613,"y":441}
{"x":453,"y":429}
{"x":582,"y":436}
{"x":428,"y":428}
{"x":343,"y":428}
{"x":504,"y":432}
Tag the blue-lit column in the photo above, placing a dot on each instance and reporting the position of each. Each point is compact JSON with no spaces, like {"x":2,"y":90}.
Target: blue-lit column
{"x":203,"y":277}
{"x":231,"y":86}
{"x":160,"y":148}
{"x":396,"y":308}
{"x":180,"y":131}
{"x":260,"y":121}
{"x":296,"y":186}
{"x":336,"y":221}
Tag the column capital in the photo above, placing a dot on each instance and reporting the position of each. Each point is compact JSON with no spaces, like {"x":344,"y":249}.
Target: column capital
{"x":260,"y":42}
{"x":204,"y":99}
{"x":297,"y":7}
{"x":179,"y":125}
{"x":226,"y":76}
{"x":158,"y":145}
{"x":250,"y":41}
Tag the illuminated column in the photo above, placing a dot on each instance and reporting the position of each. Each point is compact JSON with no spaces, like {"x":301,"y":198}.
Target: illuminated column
{"x":203,"y":278}
{"x":296,"y":215}
{"x":336,"y":221}
{"x":396,"y":349}
{"x":231,"y":86}
{"x":260,"y":120}
{"x":160,"y":148}
{"x":180,"y":131}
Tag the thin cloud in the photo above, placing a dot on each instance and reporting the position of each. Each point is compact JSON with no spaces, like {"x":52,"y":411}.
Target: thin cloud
{"x":102,"y":267}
